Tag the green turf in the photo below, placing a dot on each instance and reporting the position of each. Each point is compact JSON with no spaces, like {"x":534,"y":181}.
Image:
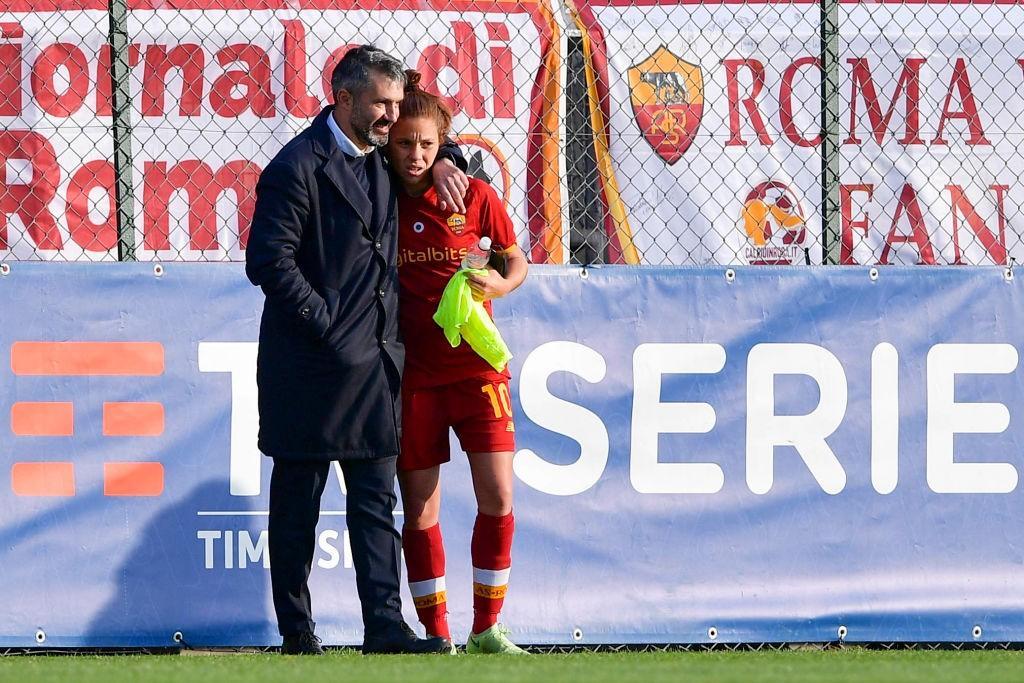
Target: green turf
{"x":851,"y":664}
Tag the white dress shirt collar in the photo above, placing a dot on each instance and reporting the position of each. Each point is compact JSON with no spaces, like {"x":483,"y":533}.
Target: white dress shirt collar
{"x":345,"y":142}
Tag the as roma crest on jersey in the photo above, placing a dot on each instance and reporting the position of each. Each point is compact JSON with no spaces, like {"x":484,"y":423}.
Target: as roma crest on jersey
{"x":668,"y":102}
{"x":456,"y":222}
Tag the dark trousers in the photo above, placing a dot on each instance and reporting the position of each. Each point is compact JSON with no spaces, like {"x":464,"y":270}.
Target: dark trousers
{"x":295,"y":490}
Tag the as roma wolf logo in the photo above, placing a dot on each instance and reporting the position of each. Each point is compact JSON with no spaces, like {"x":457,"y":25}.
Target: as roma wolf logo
{"x":668,"y":102}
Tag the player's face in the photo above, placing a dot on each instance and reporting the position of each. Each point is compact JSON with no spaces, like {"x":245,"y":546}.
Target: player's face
{"x":413,"y":148}
{"x":373,"y":110}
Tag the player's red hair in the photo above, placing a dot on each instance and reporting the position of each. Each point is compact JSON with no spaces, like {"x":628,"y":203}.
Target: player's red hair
{"x":419,"y":103}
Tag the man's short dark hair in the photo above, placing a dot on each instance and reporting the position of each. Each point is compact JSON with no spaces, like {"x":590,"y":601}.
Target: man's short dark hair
{"x":353,"y":71}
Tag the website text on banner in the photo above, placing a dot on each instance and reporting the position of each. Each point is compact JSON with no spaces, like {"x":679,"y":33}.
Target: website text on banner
{"x":218,"y":86}
{"x":788,"y":451}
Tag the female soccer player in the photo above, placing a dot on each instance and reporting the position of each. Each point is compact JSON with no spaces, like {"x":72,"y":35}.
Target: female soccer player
{"x":447,"y":387}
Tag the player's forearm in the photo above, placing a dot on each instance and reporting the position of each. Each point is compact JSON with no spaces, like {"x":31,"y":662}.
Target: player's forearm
{"x":516,"y":268}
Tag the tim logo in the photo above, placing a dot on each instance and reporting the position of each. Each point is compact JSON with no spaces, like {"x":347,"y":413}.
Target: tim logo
{"x":668,"y":102}
{"x":775,"y":225}
{"x":56,"y":418}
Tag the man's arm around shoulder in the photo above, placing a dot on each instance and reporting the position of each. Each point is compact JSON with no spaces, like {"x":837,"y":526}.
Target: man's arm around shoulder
{"x":450,"y":179}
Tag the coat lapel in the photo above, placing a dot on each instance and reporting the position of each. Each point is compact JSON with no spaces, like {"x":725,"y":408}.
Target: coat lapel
{"x":380,"y":191}
{"x":336,"y":169}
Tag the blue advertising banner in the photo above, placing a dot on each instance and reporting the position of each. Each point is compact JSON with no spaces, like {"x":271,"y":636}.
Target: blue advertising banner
{"x":705,"y":454}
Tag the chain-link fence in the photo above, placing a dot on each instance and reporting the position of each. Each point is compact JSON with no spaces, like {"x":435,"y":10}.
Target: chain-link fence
{"x":616,"y":131}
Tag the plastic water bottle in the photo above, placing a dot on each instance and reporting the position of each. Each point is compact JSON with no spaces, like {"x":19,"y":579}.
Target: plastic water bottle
{"x":477,"y":256}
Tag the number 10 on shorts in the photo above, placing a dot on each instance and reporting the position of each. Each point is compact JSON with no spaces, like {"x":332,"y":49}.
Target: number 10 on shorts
{"x":501,"y":404}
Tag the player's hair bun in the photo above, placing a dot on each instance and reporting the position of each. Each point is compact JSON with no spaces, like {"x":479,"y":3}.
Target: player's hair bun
{"x":418,"y":103}
{"x":412,"y":80}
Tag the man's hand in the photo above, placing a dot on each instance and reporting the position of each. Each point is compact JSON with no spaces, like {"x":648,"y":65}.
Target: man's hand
{"x":488,"y":286}
{"x":451,"y":185}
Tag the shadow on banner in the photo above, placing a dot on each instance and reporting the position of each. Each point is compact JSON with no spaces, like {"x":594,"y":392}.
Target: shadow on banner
{"x":190,"y":574}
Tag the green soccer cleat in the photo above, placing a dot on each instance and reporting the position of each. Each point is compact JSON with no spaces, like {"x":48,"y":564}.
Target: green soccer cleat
{"x":493,"y":641}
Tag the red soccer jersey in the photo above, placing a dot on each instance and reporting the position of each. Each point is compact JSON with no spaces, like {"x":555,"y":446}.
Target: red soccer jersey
{"x":431,"y":246}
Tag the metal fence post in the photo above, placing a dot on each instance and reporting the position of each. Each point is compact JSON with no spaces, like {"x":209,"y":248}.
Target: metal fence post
{"x":830,"y":238}
{"x":122,"y":129}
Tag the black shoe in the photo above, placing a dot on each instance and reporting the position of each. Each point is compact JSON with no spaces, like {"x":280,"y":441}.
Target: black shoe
{"x":304,"y":643}
{"x":400,"y":640}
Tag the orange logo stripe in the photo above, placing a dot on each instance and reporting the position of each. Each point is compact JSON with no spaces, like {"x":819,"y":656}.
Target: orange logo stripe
{"x":87,"y":358}
{"x":490,"y":592}
{"x":43,"y":418}
{"x":133,"y":479}
{"x":43,"y":479}
{"x":430,"y":600}
{"x":133,"y":419}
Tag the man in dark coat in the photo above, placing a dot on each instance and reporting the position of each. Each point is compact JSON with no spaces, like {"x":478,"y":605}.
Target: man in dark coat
{"x":323,"y":247}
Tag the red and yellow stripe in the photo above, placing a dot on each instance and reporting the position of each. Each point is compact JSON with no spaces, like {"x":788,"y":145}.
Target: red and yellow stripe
{"x":594,"y":59}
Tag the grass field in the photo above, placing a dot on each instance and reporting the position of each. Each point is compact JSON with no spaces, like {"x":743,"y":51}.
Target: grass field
{"x":836,"y":666}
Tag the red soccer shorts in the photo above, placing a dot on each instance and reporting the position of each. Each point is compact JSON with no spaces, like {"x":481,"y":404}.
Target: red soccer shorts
{"x":479,"y":410}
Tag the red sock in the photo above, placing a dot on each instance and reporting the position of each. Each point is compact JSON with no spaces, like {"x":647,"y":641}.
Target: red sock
{"x":492,"y":559}
{"x":424,"y":560}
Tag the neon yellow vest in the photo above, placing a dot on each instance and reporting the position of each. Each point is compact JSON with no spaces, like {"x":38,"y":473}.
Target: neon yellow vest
{"x":463,"y":317}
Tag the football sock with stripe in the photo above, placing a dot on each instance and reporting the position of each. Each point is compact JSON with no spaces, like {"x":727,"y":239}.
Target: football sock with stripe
{"x":424,"y":560}
{"x":492,"y":559}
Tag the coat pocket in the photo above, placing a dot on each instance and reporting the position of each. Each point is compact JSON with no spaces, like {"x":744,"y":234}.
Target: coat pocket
{"x":351,"y":337}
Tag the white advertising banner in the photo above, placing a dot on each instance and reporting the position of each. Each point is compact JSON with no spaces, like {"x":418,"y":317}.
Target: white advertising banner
{"x":714,"y":126}
{"x":218,"y":86}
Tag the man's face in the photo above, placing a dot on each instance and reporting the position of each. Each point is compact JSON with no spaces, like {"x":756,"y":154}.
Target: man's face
{"x":372,"y":111}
